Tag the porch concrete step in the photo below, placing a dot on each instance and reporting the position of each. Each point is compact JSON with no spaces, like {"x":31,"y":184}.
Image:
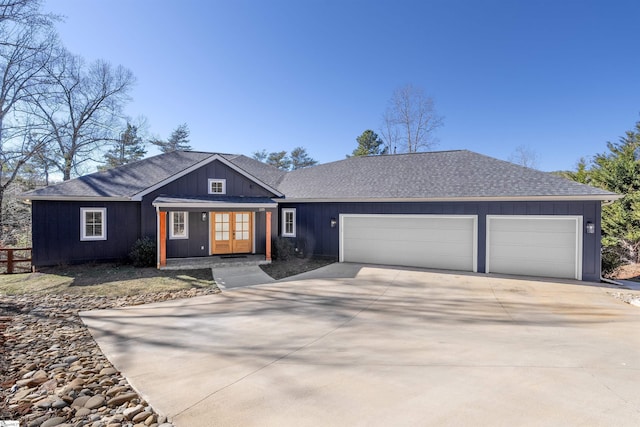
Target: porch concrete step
{"x":213,"y":262}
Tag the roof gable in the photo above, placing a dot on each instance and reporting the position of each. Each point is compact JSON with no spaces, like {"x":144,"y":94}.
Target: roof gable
{"x":222,"y":159}
{"x":134,"y":180}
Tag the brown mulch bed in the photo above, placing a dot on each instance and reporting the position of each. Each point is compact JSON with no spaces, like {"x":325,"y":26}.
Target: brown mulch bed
{"x":281,"y":269}
{"x":628,"y":272}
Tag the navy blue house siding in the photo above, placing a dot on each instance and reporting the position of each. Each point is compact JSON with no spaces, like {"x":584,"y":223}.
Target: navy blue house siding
{"x":198,"y":242}
{"x":57,"y":239}
{"x":316,"y":236}
{"x":58,"y":232}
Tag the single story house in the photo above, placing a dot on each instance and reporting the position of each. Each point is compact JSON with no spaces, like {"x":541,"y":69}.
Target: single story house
{"x":455,"y":210}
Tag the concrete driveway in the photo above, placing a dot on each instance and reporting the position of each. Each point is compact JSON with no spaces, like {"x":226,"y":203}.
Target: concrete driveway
{"x":362,"y":346}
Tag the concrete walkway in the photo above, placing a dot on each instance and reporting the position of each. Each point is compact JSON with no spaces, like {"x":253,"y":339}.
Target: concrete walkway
{"x":240,"y":277}
{"x":352,"y":346}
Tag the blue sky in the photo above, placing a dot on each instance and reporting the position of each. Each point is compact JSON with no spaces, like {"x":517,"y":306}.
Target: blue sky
{"x":561,"y":77}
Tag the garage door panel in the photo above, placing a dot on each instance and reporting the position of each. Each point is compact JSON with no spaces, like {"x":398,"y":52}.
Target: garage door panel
{"x":531,"y":225}
{"x":567,"y":240}
{"x":534,"y":245}
{"x":397,"y":222}
{"x":561,"y":255}
{"x":366,"y":252}
{"x":530,"y":236}
{"x":410,"y":240}
{"x":415,"y":235}
{"x":422,"y":247}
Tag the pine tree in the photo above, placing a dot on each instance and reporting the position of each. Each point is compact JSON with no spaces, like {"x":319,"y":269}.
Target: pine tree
{"x":280,"y":160}
{"x":128,"y":148}
{"x":300,"y":159}
{"x":178,"y":141}
{"x":369,"y":144}
{"x":619,"y":171}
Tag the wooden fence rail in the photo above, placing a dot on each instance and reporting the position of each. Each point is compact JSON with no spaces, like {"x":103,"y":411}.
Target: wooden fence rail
{"x":11,"y":260}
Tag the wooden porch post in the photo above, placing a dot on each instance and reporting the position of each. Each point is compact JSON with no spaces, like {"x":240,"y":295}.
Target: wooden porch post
{"x":268,"y":241}
{"x":162,"y":221}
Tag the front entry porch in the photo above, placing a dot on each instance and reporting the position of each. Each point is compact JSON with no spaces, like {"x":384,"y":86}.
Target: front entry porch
{"x":203,"y":231}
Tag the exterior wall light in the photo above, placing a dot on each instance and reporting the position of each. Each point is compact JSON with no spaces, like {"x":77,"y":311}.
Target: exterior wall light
{"x":333,"y":222}
{"x":591,"y":228}
{"x":204,"y":216}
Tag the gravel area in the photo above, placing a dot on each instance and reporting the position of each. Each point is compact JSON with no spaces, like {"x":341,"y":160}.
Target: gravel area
{"x":53,"y":372}
{"x":628,"y":297}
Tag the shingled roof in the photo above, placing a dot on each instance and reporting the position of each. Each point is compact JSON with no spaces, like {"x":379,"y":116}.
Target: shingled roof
{"x":440,"y":175}
{"x":443,"y":175}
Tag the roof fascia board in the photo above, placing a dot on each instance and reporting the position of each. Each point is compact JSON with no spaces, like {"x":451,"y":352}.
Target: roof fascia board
{"x":598,"y":197}
{"x":138,"y":197}
{"x":76,"y":198}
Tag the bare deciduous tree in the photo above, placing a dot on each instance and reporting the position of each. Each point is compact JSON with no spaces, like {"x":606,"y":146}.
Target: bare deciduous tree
{"x":24,"y":12}
{"x":410,"y":121}
{"x":83,"y":112}
{"x":27,"y":44}
{"x":524,"y":156}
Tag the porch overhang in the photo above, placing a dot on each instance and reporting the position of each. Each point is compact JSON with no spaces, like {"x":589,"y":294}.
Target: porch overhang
{"x":166,"y":203}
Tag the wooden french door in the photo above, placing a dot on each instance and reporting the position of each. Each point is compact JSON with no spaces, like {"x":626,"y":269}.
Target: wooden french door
{"x":231,"y":232}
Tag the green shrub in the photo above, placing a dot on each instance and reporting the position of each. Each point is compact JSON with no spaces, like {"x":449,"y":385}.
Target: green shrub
{"x":282,"y":249}
{"x":143,"y":253}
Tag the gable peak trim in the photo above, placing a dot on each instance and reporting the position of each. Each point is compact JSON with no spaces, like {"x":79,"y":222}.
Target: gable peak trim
{"x":214,"y":156}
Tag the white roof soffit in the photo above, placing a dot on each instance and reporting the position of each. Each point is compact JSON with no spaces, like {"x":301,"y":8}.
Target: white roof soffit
{"x":138,"y":197}
{"x":214,"y":205}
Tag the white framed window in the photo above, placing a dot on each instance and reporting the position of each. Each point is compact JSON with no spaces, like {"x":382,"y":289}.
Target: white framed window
{"x":217,"y":186}
{"x":178,"y":225}
{"x":289,"y":222}
{"x":93,"y":223}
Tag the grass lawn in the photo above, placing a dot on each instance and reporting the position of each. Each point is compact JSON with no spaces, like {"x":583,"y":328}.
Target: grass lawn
{"x":125,"y":280}
{"x":104,"y":279}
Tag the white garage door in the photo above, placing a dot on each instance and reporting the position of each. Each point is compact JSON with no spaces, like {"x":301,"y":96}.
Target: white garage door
{"x":430,"y":241}
{"x":547,"y":246}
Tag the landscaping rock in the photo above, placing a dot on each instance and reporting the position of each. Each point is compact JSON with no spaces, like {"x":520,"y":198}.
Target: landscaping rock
{"x":55,"y":421}
{"x":80,"y":401}
{"x":95,"y":402}
{"x":130,"y":413}
{"x":83,"y":412}
{"x":122,"y":398}
{"x":54,"y":374}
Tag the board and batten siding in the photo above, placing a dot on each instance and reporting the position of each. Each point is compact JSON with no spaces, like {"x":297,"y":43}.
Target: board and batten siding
{"x":315,"y":235}
{"x":56,"y":238}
